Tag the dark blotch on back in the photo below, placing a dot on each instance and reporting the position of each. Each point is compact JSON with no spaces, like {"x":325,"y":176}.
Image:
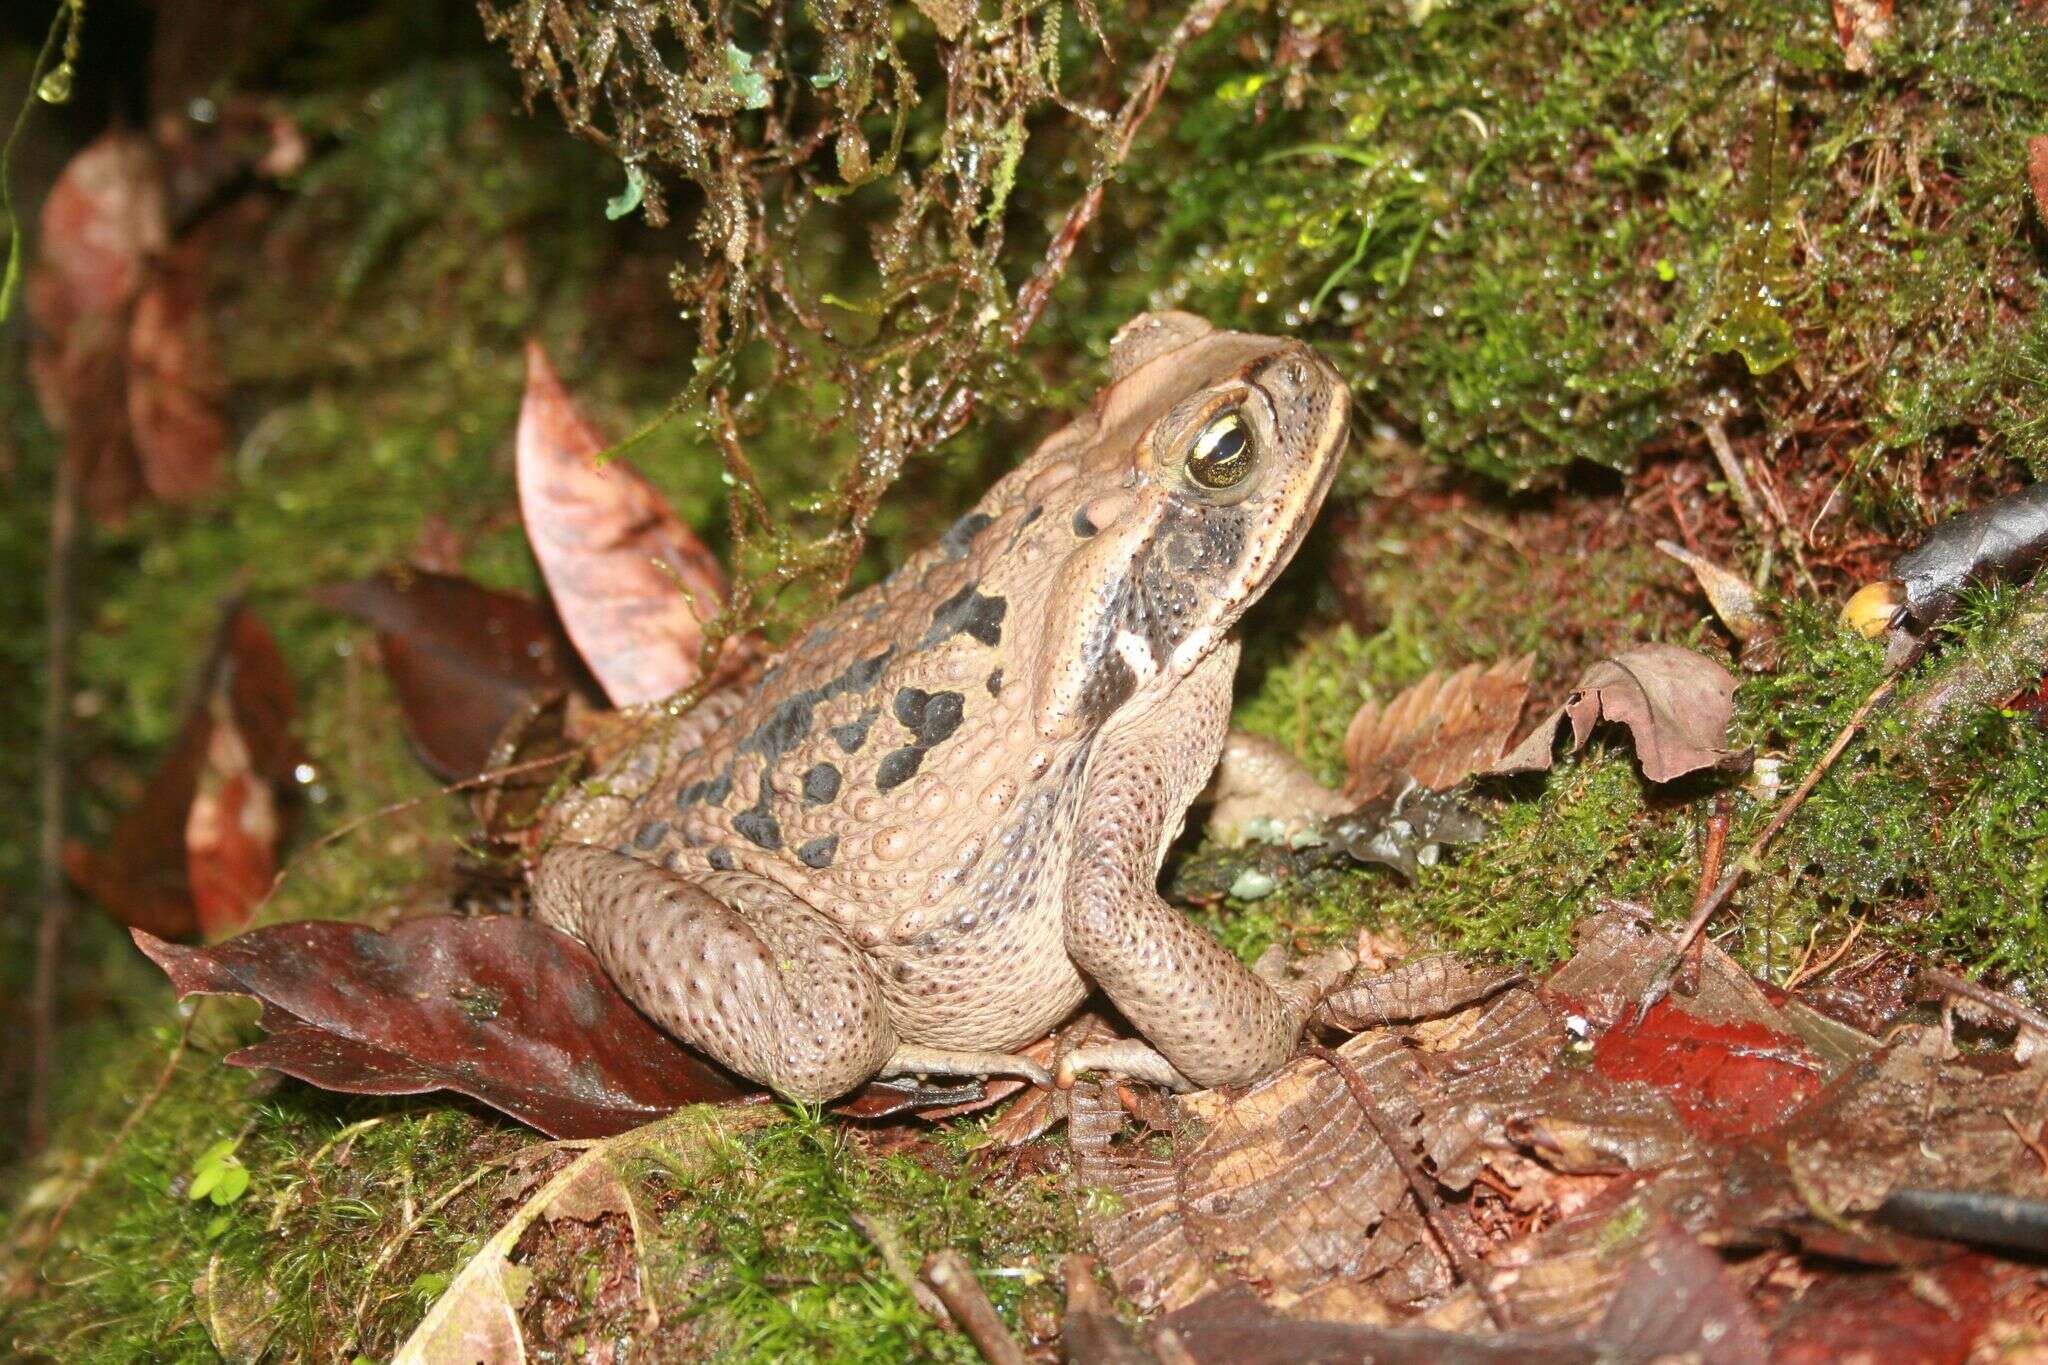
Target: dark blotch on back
{"x":821,"y":783}
{"x":995,"y":683}
{"x":721,"y":858}
{"x":1083,"y":527}
{"x":650,"y":834}
{"x":819,"y":852}
{"x":759,"y":827}
{"x":930,"y":716}
{"x":898,"y":766}
{"x":967,"y":612}
{"x":850,"y":736}
{"x":959,"y":537}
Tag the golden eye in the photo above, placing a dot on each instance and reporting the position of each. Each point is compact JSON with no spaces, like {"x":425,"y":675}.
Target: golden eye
{"x":1222,"y":453}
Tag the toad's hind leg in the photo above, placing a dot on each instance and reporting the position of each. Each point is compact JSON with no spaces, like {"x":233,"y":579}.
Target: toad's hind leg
{"x":752,"y":976}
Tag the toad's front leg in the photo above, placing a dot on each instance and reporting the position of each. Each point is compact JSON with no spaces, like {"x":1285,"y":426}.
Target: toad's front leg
{"x":1215,"y":1021}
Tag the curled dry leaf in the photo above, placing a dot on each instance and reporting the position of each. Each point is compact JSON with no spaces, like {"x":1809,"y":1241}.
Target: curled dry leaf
{"x":1676,"y":704}
{"x":465,"y":660}
{"x":505,"y":1010}
{"x":477,"y":1316}
{"x":1438,"y":732}
{"x":232,"y":830}
{"x":152,"y":867}
{"x":633,"y":585}
{"x":1734,"y":601}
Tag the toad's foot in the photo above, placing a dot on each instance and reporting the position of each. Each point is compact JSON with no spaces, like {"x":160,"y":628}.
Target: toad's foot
{"x":942,"y":1061}
{"x":1125,"y":1057}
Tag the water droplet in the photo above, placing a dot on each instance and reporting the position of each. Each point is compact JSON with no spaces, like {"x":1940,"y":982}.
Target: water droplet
{"x":55,"y":87}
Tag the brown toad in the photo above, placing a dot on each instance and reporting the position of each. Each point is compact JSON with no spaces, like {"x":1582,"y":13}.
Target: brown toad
{"x":914,"y":841}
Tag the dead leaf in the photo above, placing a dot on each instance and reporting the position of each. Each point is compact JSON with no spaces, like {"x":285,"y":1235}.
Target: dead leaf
{"x":477,"y":1316}
{"x":232,"y":830}
{"x":503,"y":1009}
{"x":1439,"y":731}
{"x":1420,"y":988}
{"x":1859,"y":26}
{"x":1675,"y":703}
{"x":1734,"y":601}
{"x":633,"y":585}
{"x":102,"y":224}
{"x":464,"y":659}
{"x":176,"y":391}
{"x":145,"y":874}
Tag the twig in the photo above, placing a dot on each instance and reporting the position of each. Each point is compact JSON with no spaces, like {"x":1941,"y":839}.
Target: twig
{"x":1738,"y":481}
{"x":1804,"y":973}
{"x":953,"y":1279}
{"x":1660,"y":984}
{"x":1138,"y":106}
{"x":1948,"y":983}
{"x":1710,"y":874}
{"x":896,"y":1257}
{"x":54,"y":906}
{"x":1469,"y":1270}
{"x":128,"y":1125}
{"x":2031,"y":1144}
{"x":341,"y":832}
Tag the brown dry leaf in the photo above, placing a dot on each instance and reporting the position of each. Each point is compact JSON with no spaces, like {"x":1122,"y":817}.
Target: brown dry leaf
{"x":1734,"y":601}
{"x":632,"y":584}
{"x":176,"y":391}
{"x":1859,"y":26}
{"x":1420,"y":988}
{"x":464,"y":659}
{"x":1138,"y":1232}
{"x":1440,"y":731}
{"x":1675,"y":703}
{"x":232,"y":830}
{"x":102,"y":224}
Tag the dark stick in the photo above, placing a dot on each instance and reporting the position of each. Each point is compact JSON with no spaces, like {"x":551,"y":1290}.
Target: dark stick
{"x":1469,"y":1270}
{"x":55,"y":900}
{"x":953,"y":1280}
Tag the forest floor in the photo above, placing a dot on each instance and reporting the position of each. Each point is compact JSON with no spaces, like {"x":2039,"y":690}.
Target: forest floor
{"x":1600,"y":276}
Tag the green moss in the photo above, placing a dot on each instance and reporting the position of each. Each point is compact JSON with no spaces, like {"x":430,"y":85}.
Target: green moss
{"x":785,"y":1273}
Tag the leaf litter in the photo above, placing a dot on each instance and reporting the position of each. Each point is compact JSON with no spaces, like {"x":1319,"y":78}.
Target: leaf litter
{"x":1630,"y":1182}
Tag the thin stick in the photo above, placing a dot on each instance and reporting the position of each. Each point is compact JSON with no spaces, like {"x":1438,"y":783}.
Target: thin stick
{"x":341,"y":832}
{"x":128,"y":1125}
{"x":1660,"y":985}
{"x":1710,"y":873}
{"x":1469,"y":1270}
{"x":54,"y":907}
{"x":1951,"y":984}
{"x":953,"y":1279}
{"x":1138,"y":106}
{"x":1738,"y":481}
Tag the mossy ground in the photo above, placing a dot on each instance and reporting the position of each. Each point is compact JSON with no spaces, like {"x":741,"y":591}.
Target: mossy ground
{"x":1530,"y":236}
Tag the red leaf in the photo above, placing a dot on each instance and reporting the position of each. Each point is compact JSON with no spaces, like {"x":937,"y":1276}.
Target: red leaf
{"x":632,"y":583}
{"x":231,"y":832}
{"x":175,"y":387}
{"x":144,"y":876}
{"x":1728,"y":1080}
{"x":464,"y":659}
{"x":2037,"y":173}
{"x":502,"y":1009}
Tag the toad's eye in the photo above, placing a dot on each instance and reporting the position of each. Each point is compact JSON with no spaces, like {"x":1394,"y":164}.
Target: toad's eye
{"x":1222,"y":453}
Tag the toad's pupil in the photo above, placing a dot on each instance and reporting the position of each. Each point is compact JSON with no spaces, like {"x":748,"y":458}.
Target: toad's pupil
{"x":1222,"y":453}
